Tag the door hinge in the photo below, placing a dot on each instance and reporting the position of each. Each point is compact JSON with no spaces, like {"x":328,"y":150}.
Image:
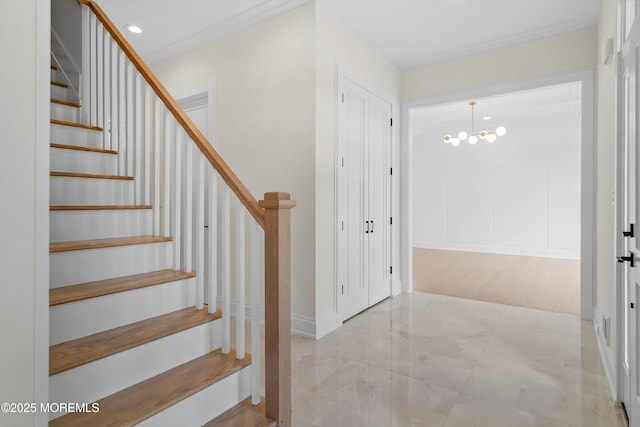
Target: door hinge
{"x":390,"y":122}
{"x":390,"y":270}
{"x":343,"y":98}
{"x":391,"y":220}
{"x":342,"y":289}
{"x":390,"y":171}
{"x":342,"y":225}
{"x":342,"y":161}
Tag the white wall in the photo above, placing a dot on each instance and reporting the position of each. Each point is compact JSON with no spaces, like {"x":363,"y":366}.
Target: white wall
{"x":24,"y":116}
{"x":605,"y":173}
{"x":519,"y":195}
{"x":338,"y":45}
{"x":265,"y":119}
{"x":564,"y":52}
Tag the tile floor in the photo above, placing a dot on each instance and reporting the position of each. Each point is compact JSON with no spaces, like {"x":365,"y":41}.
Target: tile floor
{"x":429,"y":360}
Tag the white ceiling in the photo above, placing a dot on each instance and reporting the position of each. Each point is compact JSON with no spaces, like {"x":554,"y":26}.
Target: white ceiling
{"x":409,"y":32}
{"x":511,"y":109}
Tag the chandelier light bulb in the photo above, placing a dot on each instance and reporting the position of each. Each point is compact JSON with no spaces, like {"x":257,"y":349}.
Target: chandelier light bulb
{"x":473,"y":139}
{"x":491,"y":137}
{"x":447,"y":139}
{"x":483,"y":134}
{"x":463,"y":135}
{"x":501,"y":131}
{"x":455,"y":142}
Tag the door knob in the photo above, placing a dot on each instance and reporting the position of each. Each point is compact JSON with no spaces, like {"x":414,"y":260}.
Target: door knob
{"x":631,"y":259}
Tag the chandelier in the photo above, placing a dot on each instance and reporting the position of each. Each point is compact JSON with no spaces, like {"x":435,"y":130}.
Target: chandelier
{"x":474,"y":136}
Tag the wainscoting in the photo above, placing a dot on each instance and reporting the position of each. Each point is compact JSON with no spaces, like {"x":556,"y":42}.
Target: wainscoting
{"x":542,"y":283}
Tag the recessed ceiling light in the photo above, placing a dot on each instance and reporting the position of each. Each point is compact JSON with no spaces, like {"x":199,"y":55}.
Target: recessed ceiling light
{"x":486,"y":118}
{"x":134,"y":29}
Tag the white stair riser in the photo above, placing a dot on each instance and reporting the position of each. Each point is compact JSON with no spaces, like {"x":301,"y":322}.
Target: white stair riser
{"x":81,"y":318}
{"x":205,"y":405}
{"x":63,"y":160}
{"x":54,"y":76}
{"x":76,"y":136}
{"x":70,"y":268}
{"x":90,"y":191}
{"x":85,"y":225}
{"x":60,"y":93}
{"x":64,"y":112}
{"x":90,"y":382}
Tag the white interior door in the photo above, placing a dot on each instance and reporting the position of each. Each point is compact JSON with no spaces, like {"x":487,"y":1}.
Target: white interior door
{"x":363,"y":202}
{"x":630,"y":206}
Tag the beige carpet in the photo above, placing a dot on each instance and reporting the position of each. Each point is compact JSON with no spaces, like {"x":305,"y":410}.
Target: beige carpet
{"x":541,"y":283}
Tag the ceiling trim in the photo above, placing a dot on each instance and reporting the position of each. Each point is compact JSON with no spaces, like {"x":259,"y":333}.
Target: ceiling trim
{"x":525,"y":36}
{"x":245,"y":19}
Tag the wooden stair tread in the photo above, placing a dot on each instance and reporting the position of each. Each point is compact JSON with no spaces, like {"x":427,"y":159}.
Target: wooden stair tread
{"x":79,"y":245}
{"x":83,"y":148}
{"x":98,"y":207}
{"x":243,"y":414}
{"x":143,"y":400}
{"x":67,"y":103}
{"x":100,"y":288}
{"x":59,"y":84}
{"x":80,"y":351}
{"x":91,"y":175}
{"x":75,"y":124}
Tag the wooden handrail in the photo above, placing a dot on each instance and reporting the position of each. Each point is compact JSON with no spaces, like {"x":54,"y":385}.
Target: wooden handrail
{"x":190,"y":128}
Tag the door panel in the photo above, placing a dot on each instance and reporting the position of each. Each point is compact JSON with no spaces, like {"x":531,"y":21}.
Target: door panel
{"x":363,"y":243}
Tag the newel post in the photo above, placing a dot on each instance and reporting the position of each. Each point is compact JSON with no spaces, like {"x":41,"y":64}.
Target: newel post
{"x":277,"y":303}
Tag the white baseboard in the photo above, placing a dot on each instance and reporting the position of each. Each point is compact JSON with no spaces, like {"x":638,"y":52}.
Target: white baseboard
{"x":505,"y":250}
{"x":609,"y":365}
{"x":396,"y":287}
{"x":327,"y":324}
{"x":300,"y":325}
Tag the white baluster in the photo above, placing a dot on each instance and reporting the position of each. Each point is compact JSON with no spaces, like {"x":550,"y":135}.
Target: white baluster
{"x":85,"y":85}
{"x":225,"y":266}
{"x":157,"y":150}
{"x":188,"y":204}
{"x":240,"y":285}
{"x":256,"y":345}
{"x":92,"y":100}
{"x":114,"y":82}
{"x":212,"y":253}
{"x":200,"y":234}
{"x":130,"y":101}
{"x":137,"y":125}
{"x":177,"y":202}
{"x":99,"y":77}
{"x":106,"y":90}
{"x":166,"y":199}
{"x":147,"y":122}
{"x":123,"y":142}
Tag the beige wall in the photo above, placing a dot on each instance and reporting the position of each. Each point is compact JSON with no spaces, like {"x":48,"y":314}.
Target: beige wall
{"x":338,"y":45}
{"x":565,"y":52}
{"x":605,"y":175}
{"x":24,"y":112}
{"x":265,"y":95}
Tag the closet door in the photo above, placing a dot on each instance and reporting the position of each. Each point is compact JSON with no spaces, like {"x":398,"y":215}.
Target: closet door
{"x":363,"y":202}
{"x":378,"y":244}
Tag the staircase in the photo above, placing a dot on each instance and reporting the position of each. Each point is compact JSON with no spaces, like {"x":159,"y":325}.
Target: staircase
{"x":136,"y":334}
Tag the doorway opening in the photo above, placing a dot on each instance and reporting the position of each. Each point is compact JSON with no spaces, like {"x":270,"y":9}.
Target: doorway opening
{"x":508,"y":221}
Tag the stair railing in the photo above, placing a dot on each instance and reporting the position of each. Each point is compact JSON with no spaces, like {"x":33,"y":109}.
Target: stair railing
{"x":189,"y":185}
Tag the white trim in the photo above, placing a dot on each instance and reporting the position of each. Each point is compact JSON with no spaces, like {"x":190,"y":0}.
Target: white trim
{"x":300,"y":325}
{"x":506,"y":250}
{"x":587,"y":238}
{"x":607,"y":362}
{"x":327,"y":324}
{"x":396,"y":287}
{"x":42,"y":152}
{"x":199,"y":97}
